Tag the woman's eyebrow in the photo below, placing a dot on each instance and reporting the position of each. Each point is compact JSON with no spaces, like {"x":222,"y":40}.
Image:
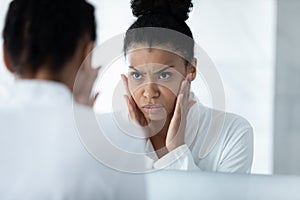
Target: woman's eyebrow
{"x":159,"y":71}
{"x":132,"y":67}
{"x":135,"y":69}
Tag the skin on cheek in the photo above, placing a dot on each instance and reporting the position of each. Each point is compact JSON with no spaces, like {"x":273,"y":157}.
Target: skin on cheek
{"x":166,"y":98}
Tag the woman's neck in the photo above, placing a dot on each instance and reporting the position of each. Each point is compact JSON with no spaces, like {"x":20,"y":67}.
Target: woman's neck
{"x":65,"y":76}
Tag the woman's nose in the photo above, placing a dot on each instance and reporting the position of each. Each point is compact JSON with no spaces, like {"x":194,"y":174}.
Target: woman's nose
{"x":150,"y":91}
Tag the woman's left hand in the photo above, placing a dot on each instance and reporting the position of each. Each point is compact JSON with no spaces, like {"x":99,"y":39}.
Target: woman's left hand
{"x":83,"y":86}
{"x":175,"y":134}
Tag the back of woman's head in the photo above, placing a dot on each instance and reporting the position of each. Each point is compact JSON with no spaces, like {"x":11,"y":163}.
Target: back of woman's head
{"x":46,"y":32}
{"x":161,"y":22}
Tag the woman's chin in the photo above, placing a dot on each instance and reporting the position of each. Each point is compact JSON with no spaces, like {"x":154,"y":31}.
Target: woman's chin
{"x":161,"y":116}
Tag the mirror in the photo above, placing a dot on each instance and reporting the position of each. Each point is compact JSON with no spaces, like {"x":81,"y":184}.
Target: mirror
{"x":254,"y":46}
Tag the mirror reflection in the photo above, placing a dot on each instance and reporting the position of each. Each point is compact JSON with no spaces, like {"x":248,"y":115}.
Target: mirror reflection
{"x":253,"y":46}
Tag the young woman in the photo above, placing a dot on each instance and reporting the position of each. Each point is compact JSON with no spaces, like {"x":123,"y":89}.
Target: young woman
{"x":45,"y":43}
{"x":183,"y":133}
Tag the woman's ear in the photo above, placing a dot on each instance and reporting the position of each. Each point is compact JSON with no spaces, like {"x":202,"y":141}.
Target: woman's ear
{"x":192,"y":68}
{"x":6,"y":60}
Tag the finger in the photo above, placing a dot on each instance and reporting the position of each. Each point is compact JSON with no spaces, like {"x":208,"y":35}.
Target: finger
{"x":191,"y":103}
{"x":91,"y":103}
{"x":94,"y":73}
{"x":184,"y":101}
{"x":130,"y":108}
{"x":189,"y":78}
{"x":90,"y":77}
{"x":185,"y":93}
{"x":129,"y":102}
{"x":125,"y":83}
{"x":185,"y":90}
{"x":177,"y":111}
{"x":98,"y":68}
{"x":182,"y":86}
{"x":176,"y":120}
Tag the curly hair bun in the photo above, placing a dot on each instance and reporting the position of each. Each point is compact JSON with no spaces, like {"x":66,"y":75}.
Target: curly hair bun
{"x":177,"y":8}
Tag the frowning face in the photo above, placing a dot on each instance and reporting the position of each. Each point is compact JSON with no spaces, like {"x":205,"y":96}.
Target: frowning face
{"x":154,"y":79}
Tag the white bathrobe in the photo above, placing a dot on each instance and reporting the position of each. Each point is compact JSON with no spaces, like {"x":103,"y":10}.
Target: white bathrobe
{"x":41,"y":155}
{"x":214,"y":141}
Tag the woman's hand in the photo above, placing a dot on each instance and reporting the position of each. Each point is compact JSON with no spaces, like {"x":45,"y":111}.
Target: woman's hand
{"x":85,"y":80}
{"x":176,"y":130}
{"x":134,"y":112}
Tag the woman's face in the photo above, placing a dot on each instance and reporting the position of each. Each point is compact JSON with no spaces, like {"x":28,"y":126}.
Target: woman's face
{"x":154,"y":79}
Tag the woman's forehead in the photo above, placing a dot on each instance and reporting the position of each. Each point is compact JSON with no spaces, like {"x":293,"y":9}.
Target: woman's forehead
{"x":143,"y":56}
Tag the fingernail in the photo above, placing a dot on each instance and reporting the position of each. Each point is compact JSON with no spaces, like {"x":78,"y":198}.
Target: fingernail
{"x":190,"y":77}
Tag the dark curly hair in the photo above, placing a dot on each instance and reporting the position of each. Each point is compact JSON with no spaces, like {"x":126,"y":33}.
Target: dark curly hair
{"x":167,"y":15}
{"x":46,"y":32}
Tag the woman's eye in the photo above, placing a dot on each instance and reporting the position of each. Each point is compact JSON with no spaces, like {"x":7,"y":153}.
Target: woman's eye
{"x":136,"y":75}
{"x":164,"y":75}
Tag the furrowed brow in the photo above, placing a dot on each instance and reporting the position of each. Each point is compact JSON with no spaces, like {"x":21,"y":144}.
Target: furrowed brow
{"x":135,"y":69}
{"x":160,"y":71}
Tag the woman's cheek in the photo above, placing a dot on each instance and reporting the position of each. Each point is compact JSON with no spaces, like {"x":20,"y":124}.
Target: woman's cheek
{"x":136,"y":97}
{"x":172,"y":86}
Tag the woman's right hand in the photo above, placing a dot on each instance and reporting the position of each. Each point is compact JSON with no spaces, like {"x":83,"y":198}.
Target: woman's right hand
{"x":85,"y":80}
{"x":134,"y":112}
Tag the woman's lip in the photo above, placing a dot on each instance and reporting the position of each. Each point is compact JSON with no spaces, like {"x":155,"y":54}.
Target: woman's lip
{"x":152,"y":108}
